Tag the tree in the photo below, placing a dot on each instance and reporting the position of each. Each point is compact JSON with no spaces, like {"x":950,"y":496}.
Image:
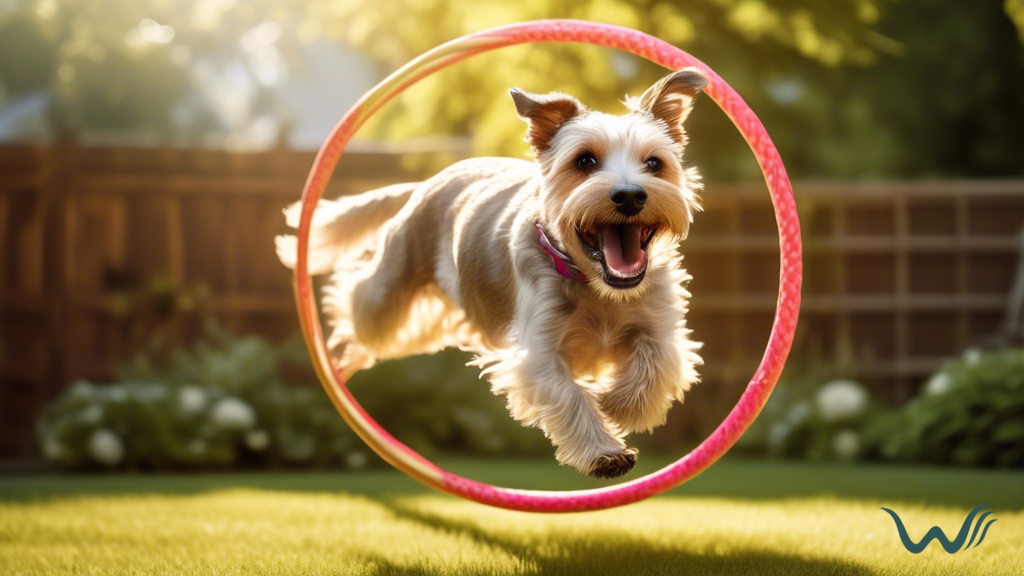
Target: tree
{"x":183,"y":69}
{"x":955,"y":99}
{"x":847,"y":88}
{"x":753,"y":43}
{"x":186,"y":67}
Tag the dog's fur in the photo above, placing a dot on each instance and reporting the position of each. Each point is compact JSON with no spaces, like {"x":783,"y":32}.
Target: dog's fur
{"x":455,"y":260}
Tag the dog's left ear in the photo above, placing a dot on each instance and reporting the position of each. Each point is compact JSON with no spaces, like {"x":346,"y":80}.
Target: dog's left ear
{"x":671,"y":98}
{"x":545,"y":114}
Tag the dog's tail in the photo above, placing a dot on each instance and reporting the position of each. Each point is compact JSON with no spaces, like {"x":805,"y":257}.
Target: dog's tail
{"x":341,"y":225}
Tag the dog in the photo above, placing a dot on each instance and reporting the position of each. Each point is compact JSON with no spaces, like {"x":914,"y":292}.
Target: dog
{"x":562,"y":275}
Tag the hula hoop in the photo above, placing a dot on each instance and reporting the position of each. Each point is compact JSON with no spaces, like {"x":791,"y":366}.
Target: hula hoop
{"x":757,"y":391}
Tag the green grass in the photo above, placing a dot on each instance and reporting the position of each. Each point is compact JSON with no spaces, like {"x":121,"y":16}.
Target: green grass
{"x":740,"y":517}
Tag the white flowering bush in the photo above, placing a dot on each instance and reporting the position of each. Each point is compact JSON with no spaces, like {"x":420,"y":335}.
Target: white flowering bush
{"x":437,"y":404}
{"x":971,"y":412}
{"x":806,"y":418}
{"x":224,"y":402}
{"x":160,"y":425}
{"x":835,"y":424}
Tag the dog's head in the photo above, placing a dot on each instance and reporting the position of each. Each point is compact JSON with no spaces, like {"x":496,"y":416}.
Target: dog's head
{"x":616,"y":193}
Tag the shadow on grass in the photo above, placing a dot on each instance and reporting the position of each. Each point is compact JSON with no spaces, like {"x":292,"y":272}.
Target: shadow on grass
{"x":613,"y":553}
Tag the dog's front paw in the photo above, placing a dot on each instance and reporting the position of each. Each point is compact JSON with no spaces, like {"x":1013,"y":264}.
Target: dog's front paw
{"x":614,"y":465}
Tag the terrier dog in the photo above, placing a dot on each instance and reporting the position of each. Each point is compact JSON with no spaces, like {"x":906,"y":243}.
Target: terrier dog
{"x":562,"y":275}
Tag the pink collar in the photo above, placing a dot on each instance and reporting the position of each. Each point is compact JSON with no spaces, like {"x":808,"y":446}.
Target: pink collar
{"x":563,"y":263}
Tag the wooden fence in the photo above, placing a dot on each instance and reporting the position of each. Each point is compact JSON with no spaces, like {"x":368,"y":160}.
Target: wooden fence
{"x":902,"y":274}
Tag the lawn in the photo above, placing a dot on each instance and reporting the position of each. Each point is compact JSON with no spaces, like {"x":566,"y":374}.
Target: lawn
{"x":740,"y":517}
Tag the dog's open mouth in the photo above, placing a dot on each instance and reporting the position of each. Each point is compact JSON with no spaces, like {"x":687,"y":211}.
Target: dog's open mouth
{"x":621,"y":249}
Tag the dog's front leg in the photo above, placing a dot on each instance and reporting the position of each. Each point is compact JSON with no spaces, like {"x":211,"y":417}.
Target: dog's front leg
{"x":658,"y":366}
{"x":535,"y":377}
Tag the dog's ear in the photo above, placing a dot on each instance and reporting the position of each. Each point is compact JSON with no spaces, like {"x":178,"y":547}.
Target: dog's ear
{"x":545,"y":114}
{"x":671,"y":98}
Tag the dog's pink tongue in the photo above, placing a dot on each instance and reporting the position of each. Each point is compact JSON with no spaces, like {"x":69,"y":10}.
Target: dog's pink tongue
{"x":622,"y":252}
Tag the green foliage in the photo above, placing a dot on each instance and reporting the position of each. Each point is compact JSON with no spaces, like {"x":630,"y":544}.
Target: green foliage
{"x":191,"y":68}
{"x":1015,"y":10}
{"x":865,"y":88}
{"x":218,"y":360}
{"x":952,"y":101}
{"x":221,"y":403}
{"x":433,"y":402}
{"x":809,"y":420}
{"x":185,"y":68}
{"x":970,"y":413}
{"x":754,"y":43}
{"x":158,"y":426}
{"x":225,"y":402}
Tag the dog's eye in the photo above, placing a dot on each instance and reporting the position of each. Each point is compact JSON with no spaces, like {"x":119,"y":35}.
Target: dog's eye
{"x":653,"y":164}
{"x":586,"y":161}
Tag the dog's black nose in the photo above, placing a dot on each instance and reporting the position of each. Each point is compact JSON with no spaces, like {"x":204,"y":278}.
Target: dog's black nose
{"x":629,"y":199}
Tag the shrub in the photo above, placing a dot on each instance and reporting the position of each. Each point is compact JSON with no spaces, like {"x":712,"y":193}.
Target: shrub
{"x":436,"y":403}
{"x":831,"y":423}
{"x":225,"y":402}
{"x":814,"y":413}
{"x":971,"y":412}
{"x":163,"y":425}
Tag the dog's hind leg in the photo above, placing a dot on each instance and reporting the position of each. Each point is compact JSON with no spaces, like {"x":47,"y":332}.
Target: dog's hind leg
{"x":397,"y":307}
{"x":337,"y":307}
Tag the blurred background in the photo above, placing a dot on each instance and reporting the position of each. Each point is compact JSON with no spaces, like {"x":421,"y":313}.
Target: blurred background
{"x":147,"y":149}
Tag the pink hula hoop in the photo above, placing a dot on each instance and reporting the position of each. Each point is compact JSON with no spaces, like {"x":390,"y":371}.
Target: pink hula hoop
{"x":757,"y":391}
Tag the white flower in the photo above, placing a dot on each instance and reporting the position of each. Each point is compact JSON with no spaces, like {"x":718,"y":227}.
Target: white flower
{"x":841,"y":399}
{"x":53,"y":450}
{"x":777,"y":434}
{"x":356,"y":460}
{"x":938,"y":384}
{"x":81,"y":390}
{"x":846,"y":444}
{"x":972,"y":355}
{"x":91,"y":415}
{"x":191,"y":399}
{"x":106,"y":447}
{"x":798,"y":413}
{"x":232,"y":413}
{"x":257,"y":440}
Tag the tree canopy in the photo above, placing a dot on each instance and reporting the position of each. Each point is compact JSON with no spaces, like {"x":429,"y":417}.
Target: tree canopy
{"x":847,"y":88}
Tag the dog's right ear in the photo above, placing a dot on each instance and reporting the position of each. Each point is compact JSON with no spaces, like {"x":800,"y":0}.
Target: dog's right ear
{"x":545,"y":114}
{"x":671,"y":98}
